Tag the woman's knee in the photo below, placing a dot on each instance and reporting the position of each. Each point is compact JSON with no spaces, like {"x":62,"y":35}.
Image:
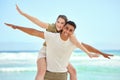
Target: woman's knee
{"x":71,"y":69}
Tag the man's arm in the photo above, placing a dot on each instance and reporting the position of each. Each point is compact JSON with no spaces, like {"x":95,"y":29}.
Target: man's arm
{"x":94,"y":50}
{"x":33,"y":19}
{"x":29,"y":31}
{"x":80,"y":46}
{"x":89,"y":49}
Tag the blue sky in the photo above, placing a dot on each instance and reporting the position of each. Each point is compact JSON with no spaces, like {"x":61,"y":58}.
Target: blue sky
{"x":98,"y":21}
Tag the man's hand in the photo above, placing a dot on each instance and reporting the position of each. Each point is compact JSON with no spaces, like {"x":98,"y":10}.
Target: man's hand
{"x":11,"y":25}
{"x":106,"y":55}
{"x":92,"y":55}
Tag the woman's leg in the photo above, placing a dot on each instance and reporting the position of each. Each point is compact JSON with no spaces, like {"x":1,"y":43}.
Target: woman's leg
{"x":72,"y":72}
{"x":41,"y":69}
{"x":41,"y":64}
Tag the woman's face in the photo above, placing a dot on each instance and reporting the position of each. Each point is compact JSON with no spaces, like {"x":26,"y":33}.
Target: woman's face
{"x":60,"y":22}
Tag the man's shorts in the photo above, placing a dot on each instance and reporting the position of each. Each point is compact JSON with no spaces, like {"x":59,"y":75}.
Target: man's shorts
{"x":55,"y":75}
{"x":42,"y":53}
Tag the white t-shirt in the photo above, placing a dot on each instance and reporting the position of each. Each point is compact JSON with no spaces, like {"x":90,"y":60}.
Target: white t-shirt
{"x":58,"y":52}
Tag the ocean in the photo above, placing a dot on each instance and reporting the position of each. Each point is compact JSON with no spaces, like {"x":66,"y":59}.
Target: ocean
{"x":21,"y":65}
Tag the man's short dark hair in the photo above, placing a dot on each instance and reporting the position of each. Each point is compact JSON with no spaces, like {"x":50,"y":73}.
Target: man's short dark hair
{"x":71,"y":23}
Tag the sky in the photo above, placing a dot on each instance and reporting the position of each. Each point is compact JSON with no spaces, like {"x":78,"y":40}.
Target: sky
{"x":98,"y":22}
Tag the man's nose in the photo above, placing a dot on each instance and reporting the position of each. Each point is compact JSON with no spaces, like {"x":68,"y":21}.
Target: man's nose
{"x":67,"y":31}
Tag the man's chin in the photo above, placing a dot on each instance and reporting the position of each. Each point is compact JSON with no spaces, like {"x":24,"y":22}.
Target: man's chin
{"x":66,"y":35}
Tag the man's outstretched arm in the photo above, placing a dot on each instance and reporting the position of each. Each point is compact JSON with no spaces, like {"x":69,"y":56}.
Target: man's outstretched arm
{"x":29,"y":31}
{"x":94,"y":50}
{"x":91,"y":51}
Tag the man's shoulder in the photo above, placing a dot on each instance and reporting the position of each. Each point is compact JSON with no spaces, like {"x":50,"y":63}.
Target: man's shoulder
{"x":47,"y":33}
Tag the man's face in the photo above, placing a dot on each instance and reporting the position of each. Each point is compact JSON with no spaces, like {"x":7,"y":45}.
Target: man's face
{"x":68,"y":30}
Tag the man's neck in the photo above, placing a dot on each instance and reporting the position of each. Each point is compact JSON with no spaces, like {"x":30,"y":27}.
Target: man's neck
{"x":64,"y":38}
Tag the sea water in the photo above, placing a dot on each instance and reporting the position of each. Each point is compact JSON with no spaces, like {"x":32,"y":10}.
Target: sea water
{"x":21,"y":65}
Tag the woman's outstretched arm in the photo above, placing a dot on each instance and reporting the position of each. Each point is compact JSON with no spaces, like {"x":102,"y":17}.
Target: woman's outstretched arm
{"x":32,"y":19}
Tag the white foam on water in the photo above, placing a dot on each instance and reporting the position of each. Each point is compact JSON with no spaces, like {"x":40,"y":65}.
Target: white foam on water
{"x":17,"y":56}
{"x":17,"y":69}
{"x":99,"y":61}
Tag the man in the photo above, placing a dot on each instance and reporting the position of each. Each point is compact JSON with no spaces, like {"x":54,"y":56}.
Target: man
{"x":58,"y":51}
